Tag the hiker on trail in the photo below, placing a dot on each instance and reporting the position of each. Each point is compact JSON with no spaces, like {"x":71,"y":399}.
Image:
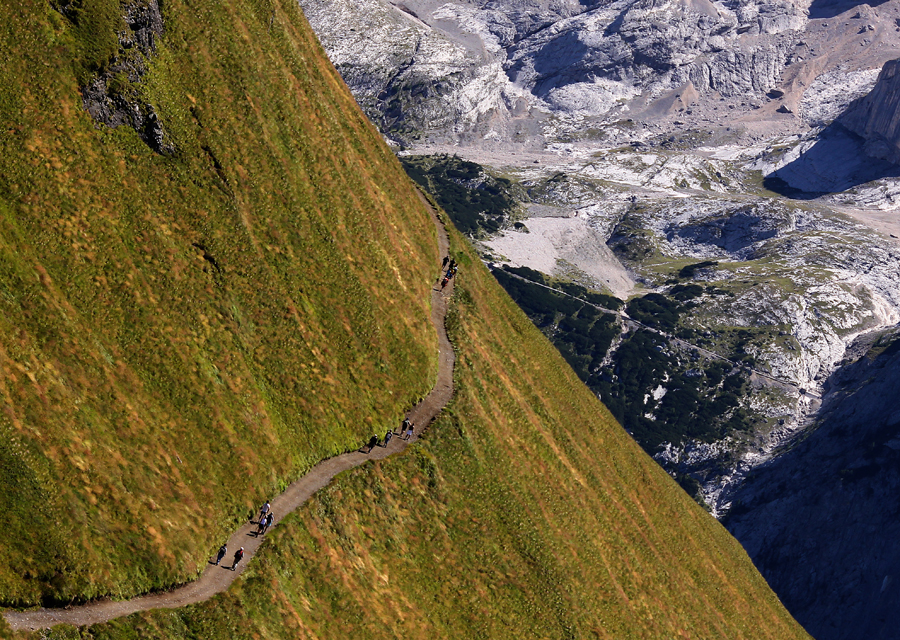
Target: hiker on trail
{"x":372,"y":442}
{"x":269,"y":520}
{"x":444,"y":263}
{"x":409,"y":430}
{"x":261,"y":526}
{"x":387,"y":437}
{"x":450,"y":273}
{"x":222,"y":551}
{"x":238,"y":556}
{"x":263,"y":511}
{"x":453,"y":265}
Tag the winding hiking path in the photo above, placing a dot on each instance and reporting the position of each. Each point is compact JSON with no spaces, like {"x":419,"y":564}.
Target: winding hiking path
{"x":216,"y":579}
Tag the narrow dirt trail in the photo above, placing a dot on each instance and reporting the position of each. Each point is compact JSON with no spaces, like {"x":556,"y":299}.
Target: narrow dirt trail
{"x":216,"y":579}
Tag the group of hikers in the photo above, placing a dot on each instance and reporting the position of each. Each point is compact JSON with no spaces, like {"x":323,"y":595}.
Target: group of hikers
{"x":263,"y":522}
{"x":266,"y":517}
{"x":452,"y":268}
{"x":238,"y":556}
{"x":407,"y":430}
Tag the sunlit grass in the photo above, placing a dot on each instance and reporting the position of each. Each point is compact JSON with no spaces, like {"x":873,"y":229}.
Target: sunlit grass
{"x":151,"y":399}
{"x":524,"y":512}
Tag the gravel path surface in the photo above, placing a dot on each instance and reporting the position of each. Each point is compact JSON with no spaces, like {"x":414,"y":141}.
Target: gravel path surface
{"x":216,"y":579}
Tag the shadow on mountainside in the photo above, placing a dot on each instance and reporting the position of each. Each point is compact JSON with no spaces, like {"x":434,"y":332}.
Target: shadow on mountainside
{"x":820,"y":9}
{"x":821,"y":521}
{"x":835,"y":162}
{"x":559,"y":62}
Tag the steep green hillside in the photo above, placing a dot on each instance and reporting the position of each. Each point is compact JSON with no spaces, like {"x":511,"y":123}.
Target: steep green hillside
{"x":525,"y":512}
{"x":180,"y":335}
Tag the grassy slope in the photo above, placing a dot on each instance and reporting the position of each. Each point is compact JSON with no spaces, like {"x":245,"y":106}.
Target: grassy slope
{"x":525,"y":512}
{"x":136,"y":383}
{"x":148,"y":400}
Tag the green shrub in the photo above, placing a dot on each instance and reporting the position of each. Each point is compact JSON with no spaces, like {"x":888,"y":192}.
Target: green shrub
{"x":476,"y":202}
{"x":689,"y":270}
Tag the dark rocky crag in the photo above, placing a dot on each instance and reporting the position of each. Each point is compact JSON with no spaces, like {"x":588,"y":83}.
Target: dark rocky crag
{"x":821,"y":521}
{"x":112,"y":95}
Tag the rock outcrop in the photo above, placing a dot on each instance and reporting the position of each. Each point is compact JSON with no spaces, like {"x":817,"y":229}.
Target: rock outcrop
{"x":626,"y":47}
{"x":452,"y":69}
{"x":876,"y":117}
{"x":113,"y":96}
{"x":406,"y":75}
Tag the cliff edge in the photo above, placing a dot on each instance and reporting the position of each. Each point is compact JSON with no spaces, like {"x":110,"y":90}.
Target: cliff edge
{"x":876,"y":116}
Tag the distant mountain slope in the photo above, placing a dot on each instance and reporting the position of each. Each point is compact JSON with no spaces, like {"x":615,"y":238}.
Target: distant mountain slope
{"x":821,"y":521}
{"x":185,"y":329}
{"x":182,"y":334}
{"x":522,"y":74}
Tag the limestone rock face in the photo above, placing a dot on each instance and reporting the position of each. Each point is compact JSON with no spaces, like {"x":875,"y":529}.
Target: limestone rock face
{"x":465,"y":70}
{"x":409,"y":76}
{"x":876,"y":117}
{"x":657,"y":43}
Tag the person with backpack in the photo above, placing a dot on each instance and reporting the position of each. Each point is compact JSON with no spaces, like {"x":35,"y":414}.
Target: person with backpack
{"x":269,"y":520}
{"x":372,"y":443}
{"x":387,"y":437}
{"x":238,"y":556}
{"x":263,"y":511}
{"x":449,"y":276}
{"x":222,"y":551}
